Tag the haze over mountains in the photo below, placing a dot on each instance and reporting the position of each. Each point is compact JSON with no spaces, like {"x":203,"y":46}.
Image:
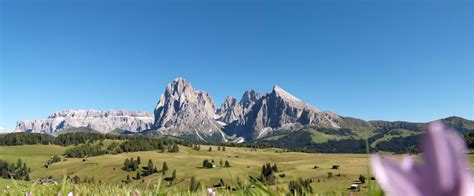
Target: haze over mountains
{"x":183,"y":111}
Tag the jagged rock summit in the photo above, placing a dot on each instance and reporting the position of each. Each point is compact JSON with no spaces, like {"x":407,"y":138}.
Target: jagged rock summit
{"x":185,"y":111}
{"x":278,"y":111}
{"x":102,"y":121}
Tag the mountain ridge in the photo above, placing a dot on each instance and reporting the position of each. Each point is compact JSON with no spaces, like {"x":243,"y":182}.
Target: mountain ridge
{"x":186,"y":112}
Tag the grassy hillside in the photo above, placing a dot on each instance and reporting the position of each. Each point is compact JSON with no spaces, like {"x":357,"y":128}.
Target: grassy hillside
{"x":33,"y":155}
{"x":397,"y":136}
{"x":188,"y":163}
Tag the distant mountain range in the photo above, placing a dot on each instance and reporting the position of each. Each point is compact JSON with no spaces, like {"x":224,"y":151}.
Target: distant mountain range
{"x":276,"y":118}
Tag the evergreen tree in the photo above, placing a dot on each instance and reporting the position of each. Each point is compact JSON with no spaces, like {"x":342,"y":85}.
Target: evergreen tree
{"x":221,"y":182}
{"x":18,"y":163}
{"x":207,"y":164}
{"x":138,"y":176}
{"x":275,"y":168}
{"x":221,"y":163}
{"x":173,"y":176}
{"x":210,"y":149}
{"x":126,"y":165}
{"x":362,"y":179}
{"x":194,"y":185}
{"x":139,"y":161}
{"x":223,"y":148}
{"x":219,"y":148}
{"x":165,"y":167}
{"x":227,"y":164}
{"x":128,"y":179}
{"x":149,"y":169}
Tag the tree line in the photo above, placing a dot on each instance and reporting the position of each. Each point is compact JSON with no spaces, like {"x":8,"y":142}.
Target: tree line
{"x":18,"y":171}
{"x":76,"y":138}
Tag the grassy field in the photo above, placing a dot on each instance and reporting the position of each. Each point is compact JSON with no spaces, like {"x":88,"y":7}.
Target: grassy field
{"x":188,"y":163}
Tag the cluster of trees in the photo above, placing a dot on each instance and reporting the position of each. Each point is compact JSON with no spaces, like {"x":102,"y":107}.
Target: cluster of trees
{"x":301,"y":141}
{"x":149,"y":169}
{"x":224,"y":164}
{"x":145,"y":144}
{"x":399,"y":145}
{"x":141,"y":145}
{"x":196,"y":147}
{"x":76,"y":138}
{"x":219,"y":148}
{"x":85,"y":150}
{"x":174,"y":148}
{"x":23,"y":138}
{"x":131,"y":164}
{"x":20,"y":171}
{"x":208,"y":164}
{"x":53,"y":159}
{"x":301,"y":187}
{"x":259,"y":145}
{"x":266,"y":175}
{"x":77,"y":180}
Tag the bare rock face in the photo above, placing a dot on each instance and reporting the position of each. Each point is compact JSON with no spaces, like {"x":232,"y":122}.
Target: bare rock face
{"x":102,"y":121}
{"x":279,"y":110}
{"x":182,"y":110}
{"x":230,"y":111}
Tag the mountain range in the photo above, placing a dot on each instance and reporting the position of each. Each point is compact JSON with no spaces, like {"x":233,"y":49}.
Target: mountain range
{"x":276,"y":118}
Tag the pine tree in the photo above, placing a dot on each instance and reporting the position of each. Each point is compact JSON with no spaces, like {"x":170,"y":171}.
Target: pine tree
{"x":173,"y":176}
{"x":128,"y":179}
{"x":227,"y":164}
{"x":219,"y":148}
{"x":221,"y":163}
{"x":221,"y":182}
{"x":139,"y":161}
{"x":165,"y":167}
{"x":149,"y":169}
{"x":210,"y":149}
{"x":275,"y":168}
{"x":138,"y":176}
{"x":205,"y":163}
{"x":18,"y":163}
{"x":193,"y":186}
{"x":223,"y":148}
{"x":126,"y":164}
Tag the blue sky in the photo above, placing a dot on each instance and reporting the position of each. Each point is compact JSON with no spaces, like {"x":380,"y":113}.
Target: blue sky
{"x":390,"y":60}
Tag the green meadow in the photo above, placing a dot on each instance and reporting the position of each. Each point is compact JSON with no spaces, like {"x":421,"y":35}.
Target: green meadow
{"x":244,"y":162}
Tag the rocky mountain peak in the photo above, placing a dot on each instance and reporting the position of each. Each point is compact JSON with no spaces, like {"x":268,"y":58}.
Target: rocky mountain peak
{"x":288,"y":97}
{"x":278,"y":91}
{"x":249,"y":97}
{"x":184,"y":110}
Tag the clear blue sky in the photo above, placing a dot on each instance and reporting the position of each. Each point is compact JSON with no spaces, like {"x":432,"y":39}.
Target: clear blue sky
{"x":390,"y":60}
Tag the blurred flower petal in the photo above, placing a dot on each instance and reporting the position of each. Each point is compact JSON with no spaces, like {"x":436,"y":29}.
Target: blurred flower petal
{"x":444,"y":171}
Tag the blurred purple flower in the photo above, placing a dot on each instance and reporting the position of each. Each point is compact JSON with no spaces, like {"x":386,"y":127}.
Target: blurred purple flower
{"x":210,"y":192}
{"x":444,"y":170}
